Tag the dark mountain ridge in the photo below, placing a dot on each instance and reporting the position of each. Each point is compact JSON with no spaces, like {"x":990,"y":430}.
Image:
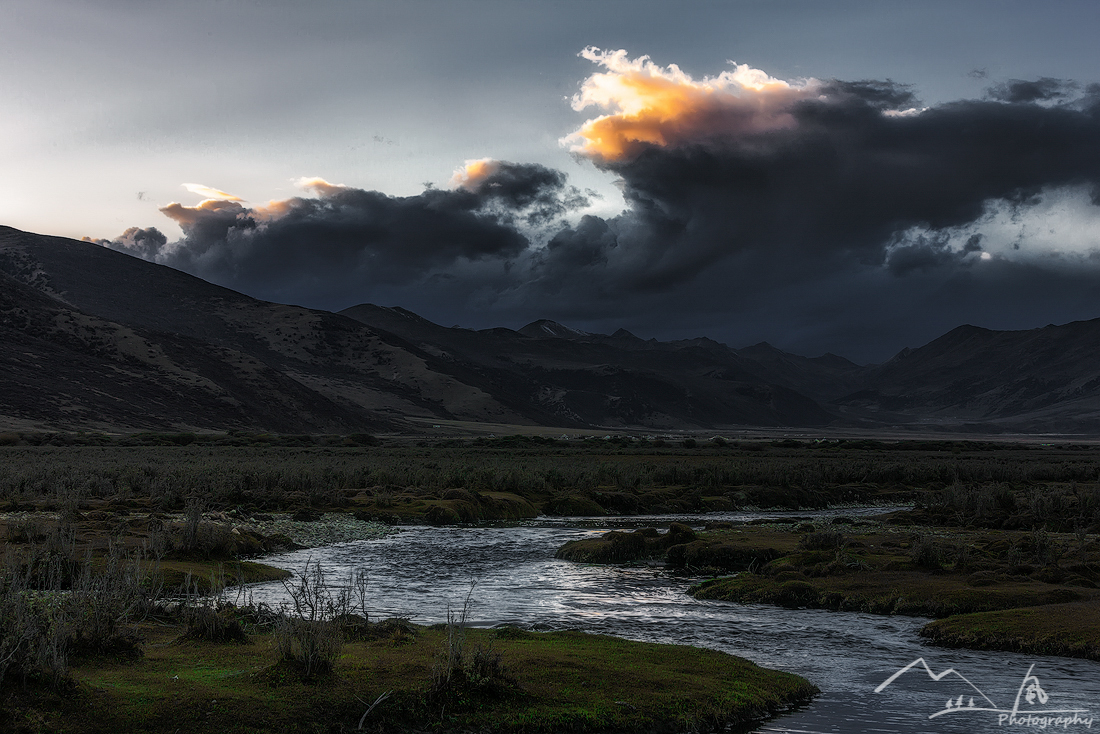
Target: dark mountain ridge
{"x":1044,"y":379}
{"x":95,"y":339}
{"x":117,"y":342}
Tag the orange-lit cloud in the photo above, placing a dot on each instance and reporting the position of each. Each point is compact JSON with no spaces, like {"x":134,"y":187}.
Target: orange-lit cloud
{"x":210,"y":193}
{"x":319,"y":186}
{"x":652,"y":105}
{"x":226,"y":207}
{"x":474,"y":173}
{"x":188,"y":216}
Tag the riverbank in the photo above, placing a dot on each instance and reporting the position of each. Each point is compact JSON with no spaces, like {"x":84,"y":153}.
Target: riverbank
{"x":1017,"y":580}
{"x":560,"y":681}
{"x":201,"y":550}
{"x":1068,"y":630}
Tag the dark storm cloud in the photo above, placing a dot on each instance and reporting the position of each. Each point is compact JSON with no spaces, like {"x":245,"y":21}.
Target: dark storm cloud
{"x":886,"y":94}
{"x":537,"y":193}
{"x":838,"y":184}
{"x":846,"y":178}
{"x":927,"y":253}
{"x":756,"y":209}
{"x":327,"y":248}
{"x":852,"y":199}
{"x":143,"y":243}
{"x":1044,"y":89}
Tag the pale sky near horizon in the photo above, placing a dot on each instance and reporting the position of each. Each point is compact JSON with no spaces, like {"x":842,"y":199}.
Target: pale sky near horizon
{"x":108,"y":108}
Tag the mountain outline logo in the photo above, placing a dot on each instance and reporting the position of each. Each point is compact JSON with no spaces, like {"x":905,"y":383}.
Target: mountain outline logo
{"x":1028,"y":707}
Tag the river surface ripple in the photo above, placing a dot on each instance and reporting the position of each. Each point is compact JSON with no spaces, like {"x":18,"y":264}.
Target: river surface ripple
{"x":421,"y":572}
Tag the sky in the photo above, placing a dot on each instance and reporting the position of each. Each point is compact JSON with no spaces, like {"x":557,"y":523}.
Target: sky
{"x":845,"y":177}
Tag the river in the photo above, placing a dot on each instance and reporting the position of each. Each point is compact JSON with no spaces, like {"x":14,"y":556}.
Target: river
{"x":421,"y":572}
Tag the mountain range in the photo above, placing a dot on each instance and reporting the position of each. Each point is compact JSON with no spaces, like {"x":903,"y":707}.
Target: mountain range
{"x":93,"y":339}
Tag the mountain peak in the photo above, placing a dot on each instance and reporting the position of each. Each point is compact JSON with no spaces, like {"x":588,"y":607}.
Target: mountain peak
{"x":547,"y":329}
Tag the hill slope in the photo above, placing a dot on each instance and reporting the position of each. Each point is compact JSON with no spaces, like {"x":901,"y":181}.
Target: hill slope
{"x":95,"y":338}
{"x":1045,"y":379}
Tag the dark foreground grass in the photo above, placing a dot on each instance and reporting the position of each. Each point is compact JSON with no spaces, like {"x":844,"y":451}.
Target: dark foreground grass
{"x":1070,"y":630}
{"x":561,"y":681}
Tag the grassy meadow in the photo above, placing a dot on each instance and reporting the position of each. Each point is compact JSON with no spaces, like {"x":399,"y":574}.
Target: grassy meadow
{"x":103,"y":534}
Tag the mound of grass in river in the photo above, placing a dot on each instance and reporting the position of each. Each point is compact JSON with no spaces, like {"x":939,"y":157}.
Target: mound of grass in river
{"x":1071,"y":630}
{"x":563,"y":681}
{"x":886,"y":568}
{"x":620,"y":547}
{"x":885,"y":592}
{"x":889,"y":570}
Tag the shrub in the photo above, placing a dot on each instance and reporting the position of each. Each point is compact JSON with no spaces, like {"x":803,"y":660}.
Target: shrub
{"x":51,"y":607}
{"x":925,"y":553}
{"x":103,"y":600}
{"x":309,"y":630}
{"x":456,"y":669}
{"x":20,"y":632}
{"x":210,"y":617}
{"x":823,"y":540}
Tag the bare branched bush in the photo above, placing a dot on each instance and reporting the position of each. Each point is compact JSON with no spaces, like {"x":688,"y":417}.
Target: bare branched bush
{"x":192,"y":522}
{"x":210,"y":617}
{"x":457,"y":668}
{"x":310,"y":630}
{"x":52,"y":607}
{"x":20,"y":633}
{"x":451,"y":660}
{"x":102,"y":600}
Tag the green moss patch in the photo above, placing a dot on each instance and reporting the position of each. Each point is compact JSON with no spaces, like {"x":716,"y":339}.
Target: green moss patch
{"x":1072,"y":630}
{"x":933,"y":572}
{"x":563,"y":681}
{"x":884,"y":569}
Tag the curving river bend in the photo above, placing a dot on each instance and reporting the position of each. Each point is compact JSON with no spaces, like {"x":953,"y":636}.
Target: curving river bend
{"x":420,"y":572}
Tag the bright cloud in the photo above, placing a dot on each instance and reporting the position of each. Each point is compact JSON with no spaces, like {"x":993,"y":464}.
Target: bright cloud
{"x":210,"y":193}
{"x":652,"y":105}
{"x":474,"y":173}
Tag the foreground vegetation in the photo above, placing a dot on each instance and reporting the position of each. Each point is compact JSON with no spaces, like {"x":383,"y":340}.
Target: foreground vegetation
{"x":319,"y":664}
{"x":97,"y":530}
{"x":551,"y":682}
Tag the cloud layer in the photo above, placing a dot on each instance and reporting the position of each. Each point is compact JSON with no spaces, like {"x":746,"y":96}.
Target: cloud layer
{"x":818,"y":214}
